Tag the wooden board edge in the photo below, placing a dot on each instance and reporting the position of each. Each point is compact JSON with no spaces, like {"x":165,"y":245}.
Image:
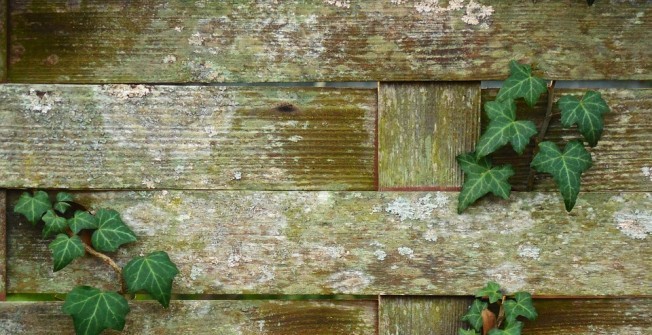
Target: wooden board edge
{"x":3,"y":245}
{"x":4,"y":40}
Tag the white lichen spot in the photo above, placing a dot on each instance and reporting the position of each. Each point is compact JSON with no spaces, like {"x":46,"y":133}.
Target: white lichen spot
{"x":196,"y":39}
{"x":233,"y":260}
{"x":350,"y":281}
{"x":420,"y":209}
{"x":430,"y":235}
{"x":149,"y":183}
{"x":339,"y":3}
{"x":473,"y":12}
{"x":636,"y":224}
{"x":170,"y":59}
{"x":39,"y":101}
{"x":178,"y":29}
{"x":195,"y":272}
{"x":509,"y":275}
{"x":237,"y":175}
{"x":477,"y":13}
{"x":295,"y":138}
{"x":405,"y":251}
{"x":647,"y":172}
{"x":380,"y":255}
{"x":123,"y":91}
{"x":529,"y":251}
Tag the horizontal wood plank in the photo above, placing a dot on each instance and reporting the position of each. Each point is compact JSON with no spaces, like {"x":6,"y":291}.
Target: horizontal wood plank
{"x":441,"y":315}
{"x":206,"y":317}
{"x":621,"y":160}
{"x":242,"y":242}
{"x":186,"y":137}
{"x":166,"y":41}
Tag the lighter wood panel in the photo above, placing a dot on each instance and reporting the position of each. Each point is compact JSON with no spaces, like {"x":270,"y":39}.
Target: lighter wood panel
{"x":186,"y":137}
{"x":363,"y":243}
{"x":421,"y":315}
{"x":264,"y":41}
{"x":622,"y":160}
{"x":206,"y":317}
{"x":422,"y":127}
{"x":3,"y":245}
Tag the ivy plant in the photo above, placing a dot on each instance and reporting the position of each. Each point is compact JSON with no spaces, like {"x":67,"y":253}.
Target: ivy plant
{"x":483,"y":320}
{"x":566,"y":167}
{"x":92,"y":309}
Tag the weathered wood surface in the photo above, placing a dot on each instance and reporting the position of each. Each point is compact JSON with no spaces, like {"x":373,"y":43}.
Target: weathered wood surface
{"x":441,"y":315}
{"x":165,"y":41}
{"x":186,"y":137}
{"x":3,"y":245}
{"x":422,"y":127}
{"x":622,"y":161}
{"x":207,"y":317}
{"x":421,"y":315}
{"x":363,"y":243}
{"x":3,"y":40}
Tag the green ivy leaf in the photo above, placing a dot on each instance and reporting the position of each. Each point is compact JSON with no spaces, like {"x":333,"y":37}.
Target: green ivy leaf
{"x":34,"y":207}
{"x":481,"y":178}
{"x":54,"y":224}
{"x":111,"y":232}
{"x":63,"y":202}
{"x":566,"y":168}
{"x":504,"y":128}
{"x":586,"y":113}
{"x":492,"y":291}
{"x":153,"y":273}
{"x":522,"y":84}
{"x":94,"y":311}
{"x":82,"y":220}
{"x":65,"y":249}
{"x":521,"y":305}
{"x":512,"y":328}
{"x":467,"y":332}
{"x":474,"y":315}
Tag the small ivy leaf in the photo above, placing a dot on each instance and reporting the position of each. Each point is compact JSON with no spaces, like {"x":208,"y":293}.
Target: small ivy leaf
{"x":566,"y":168}
{"x":522,"y":84}
{"x":63,"y":202}
{"x":492,"y":291}
{"x":467,"y":332}
{"x":93,"y":311}
{"x":474,"y":315}
{"x":481,"y":178}
{"x":82,"y":220}
{"x":65,"y":249}
{"x":521,"y":305}
{"x":34,"y":207}
{"x":111,"y":232}
{"x":586,"y":113}
{"x":512,"y":328}
{"x":54,"y":224}
{"x":153,"y":273}
{"x":504,"y":128}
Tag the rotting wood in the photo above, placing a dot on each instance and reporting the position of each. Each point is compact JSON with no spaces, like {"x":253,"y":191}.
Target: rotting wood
{"x":3,"y":245}
{"x":242,"y":242}
{"x":422,"y":127}
{"x":289,"y":41}
{"x":441,"y":315}
{"x":186,"y":137}
{"x":207,"y":317}
{"x":621,"y":160}
{"x":421,"y":314}
{"x":3,"y":40}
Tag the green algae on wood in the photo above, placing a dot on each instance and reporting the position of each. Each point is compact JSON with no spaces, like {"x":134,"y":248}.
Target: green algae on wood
{"x":422,"y":127}
{"x":289,"y":41}
{"x":421,"y":314}
{"x":242,"y":242}
{"x":186,"y":137}
{"x":3,"y":245}
{"x":621,"y":160}
{"x":225,"y":317}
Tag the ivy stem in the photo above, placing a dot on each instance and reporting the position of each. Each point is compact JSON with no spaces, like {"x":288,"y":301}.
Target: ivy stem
{"x":501,"y":313}
{"x":542,"y":132}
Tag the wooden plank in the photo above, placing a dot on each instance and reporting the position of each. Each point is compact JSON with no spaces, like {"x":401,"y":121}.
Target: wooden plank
{"x":621,"y":161}
{"x":3,"y":40}
{"x":441,"y":315}
{"x":166,"y":41}
{"x":242,"y":242}
{"x":186,"y":137}
{"x":421,"y":128}
{"x":421,"y":315}
{"x":207,"y":317}
{"x":3,"y":245}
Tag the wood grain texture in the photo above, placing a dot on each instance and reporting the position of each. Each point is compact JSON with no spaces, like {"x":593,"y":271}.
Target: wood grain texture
{"x":241,"y":242}
{"x":207,"y":317}
{"x":186,"y":137}
{"x":622,"y":160}
{"x":421,"y":315}
{"x":3,"y":39}
{"x":166,"y":41}
{"x":3,"y":245}
{"x":422,"y":127}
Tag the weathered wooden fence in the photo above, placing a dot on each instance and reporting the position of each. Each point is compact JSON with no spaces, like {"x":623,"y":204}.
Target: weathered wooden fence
{"x":343,"y":197}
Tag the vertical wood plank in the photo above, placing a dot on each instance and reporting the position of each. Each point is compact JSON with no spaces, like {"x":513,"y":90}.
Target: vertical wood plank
{"x":3,"y":246}
{"x":422,"y":127}
{"x":421,"y":315}
{"x":3,"y":39}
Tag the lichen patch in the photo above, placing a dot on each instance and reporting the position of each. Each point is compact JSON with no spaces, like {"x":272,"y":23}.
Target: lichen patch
{"x":350,"y":281}
{"x":636,"y":224}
